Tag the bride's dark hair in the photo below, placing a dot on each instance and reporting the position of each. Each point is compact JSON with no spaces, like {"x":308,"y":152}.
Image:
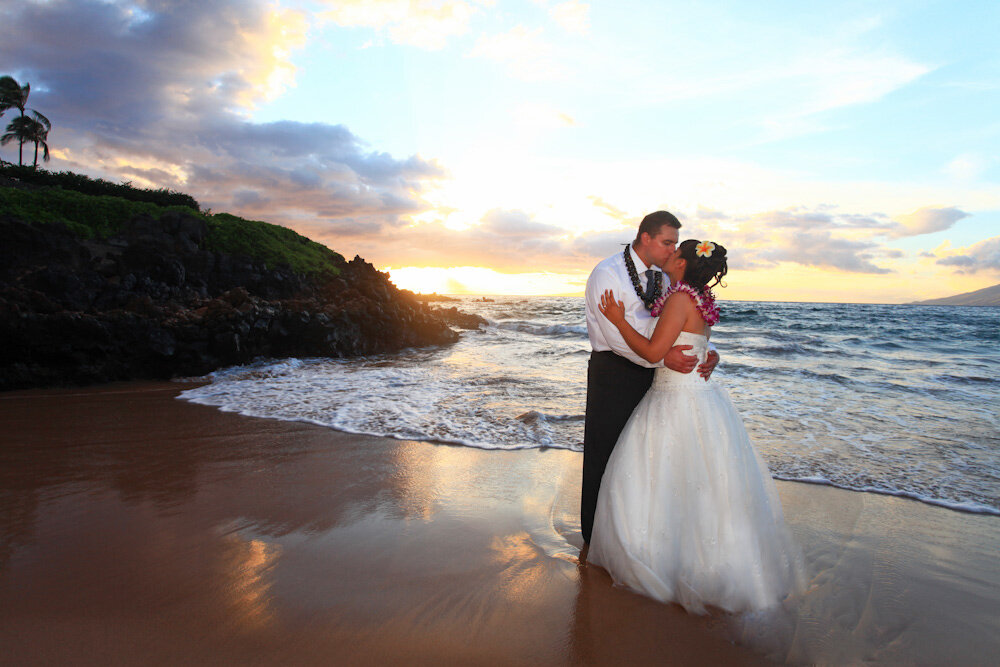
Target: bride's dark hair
{"x":700,"y":271}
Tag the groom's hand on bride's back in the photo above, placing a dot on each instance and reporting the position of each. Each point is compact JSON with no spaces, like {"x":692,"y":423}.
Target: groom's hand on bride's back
{"x":677,"y":360}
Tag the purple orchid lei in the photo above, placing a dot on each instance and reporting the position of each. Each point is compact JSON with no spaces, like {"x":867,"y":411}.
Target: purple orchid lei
{"x":703,"y":301}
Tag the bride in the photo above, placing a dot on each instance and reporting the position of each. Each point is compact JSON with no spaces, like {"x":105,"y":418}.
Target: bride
{"x":687,"y":510}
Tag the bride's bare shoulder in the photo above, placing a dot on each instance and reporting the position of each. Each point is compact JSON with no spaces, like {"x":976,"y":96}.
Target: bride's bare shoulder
{"x":680,"y":301}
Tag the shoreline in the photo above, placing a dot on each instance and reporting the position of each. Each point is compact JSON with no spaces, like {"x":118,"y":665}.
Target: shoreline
{"x":142,"y":528}
{"x":963,"y":507}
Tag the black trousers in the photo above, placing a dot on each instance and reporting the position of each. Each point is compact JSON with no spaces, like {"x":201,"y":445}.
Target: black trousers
{"x":614,"y":387}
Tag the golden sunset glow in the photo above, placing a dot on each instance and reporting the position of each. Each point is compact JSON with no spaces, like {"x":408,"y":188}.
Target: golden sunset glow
{"x":787,"y":282}
{"x":481,"y":280}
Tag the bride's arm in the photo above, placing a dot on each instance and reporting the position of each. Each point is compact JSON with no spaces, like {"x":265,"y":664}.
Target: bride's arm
{"x":668,"y":327}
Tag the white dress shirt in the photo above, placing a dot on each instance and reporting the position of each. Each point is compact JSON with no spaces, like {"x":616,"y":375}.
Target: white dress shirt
{"x":611,"y":274}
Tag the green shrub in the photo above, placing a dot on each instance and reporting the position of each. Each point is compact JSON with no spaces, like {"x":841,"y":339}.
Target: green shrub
{"x":98,"y":217}
{"x":68,"y":180}
{"x":89,"y":216}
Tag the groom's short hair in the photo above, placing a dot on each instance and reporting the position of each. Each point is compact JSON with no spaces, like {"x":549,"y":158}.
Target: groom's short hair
{"x":651,"y":223}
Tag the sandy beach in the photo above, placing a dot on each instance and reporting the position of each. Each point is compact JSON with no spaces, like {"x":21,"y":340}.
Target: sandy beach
{"x":136,"y":528}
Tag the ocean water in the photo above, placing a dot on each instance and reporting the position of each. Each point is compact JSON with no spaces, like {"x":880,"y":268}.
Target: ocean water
{"x":893,"y":399}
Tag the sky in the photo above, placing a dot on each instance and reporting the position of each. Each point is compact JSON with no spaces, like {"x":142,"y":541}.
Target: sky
{"x":843,"y":151}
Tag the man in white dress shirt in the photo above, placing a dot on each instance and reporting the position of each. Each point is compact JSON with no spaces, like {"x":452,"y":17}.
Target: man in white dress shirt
{"x":617,"y":378}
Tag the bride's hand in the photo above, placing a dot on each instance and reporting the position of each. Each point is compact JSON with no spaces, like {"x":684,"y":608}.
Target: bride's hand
{"x":612,"y":309}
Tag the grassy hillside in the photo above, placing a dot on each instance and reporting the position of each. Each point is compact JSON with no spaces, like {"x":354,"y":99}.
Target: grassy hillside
{"x":101,"y":216}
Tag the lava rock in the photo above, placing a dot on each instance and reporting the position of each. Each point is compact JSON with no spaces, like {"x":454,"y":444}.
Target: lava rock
{"x":153,"y":303}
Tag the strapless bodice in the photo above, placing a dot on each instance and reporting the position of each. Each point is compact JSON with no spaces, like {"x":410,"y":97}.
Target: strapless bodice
{"x":699,"y":348}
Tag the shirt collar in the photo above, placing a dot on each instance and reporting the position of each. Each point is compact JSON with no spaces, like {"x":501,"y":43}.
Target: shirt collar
{"x":640,"y":265}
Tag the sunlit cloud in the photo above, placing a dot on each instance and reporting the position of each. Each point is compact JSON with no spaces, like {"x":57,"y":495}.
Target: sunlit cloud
{"x":820,"y":238}
{"x":610,"y":210}
{"x":981,"y":256}
{"x":427,"y":24}
{"x":285,"y":31}
{"x":927,"y":220}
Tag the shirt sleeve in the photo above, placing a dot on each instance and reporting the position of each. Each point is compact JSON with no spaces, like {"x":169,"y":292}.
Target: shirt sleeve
{"x":599,"y":281}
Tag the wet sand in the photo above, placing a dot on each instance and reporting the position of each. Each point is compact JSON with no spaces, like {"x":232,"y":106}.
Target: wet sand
{"x":139,"y":529}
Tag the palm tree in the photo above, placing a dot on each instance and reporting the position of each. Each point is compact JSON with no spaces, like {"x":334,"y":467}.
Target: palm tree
{"x":27,"y":129}
{"x":18,"y":129}
{"x":14,"y":95}
{"x":38,"y":134}
{"x":7,"y":85}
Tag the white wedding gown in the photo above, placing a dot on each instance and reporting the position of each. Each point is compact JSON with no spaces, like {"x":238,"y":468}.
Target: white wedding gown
{"x":687,"y":510}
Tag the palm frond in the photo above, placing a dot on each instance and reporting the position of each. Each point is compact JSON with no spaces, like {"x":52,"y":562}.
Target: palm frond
{"x":22,"y":128}
{"x":13,"y":94}
{"x":42,"y":120}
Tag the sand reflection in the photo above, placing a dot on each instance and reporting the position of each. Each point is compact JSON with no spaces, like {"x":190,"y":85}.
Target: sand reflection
{"x":246,"y":569}
{"x":534,"y":492}
{"x":523,"y":571}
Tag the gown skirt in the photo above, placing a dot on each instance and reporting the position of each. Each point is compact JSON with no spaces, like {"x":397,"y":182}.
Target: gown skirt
{"x":687,"y":510}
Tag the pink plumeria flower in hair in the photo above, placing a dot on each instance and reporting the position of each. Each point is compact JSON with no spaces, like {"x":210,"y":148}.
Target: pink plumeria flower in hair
{"x":704,"y":249}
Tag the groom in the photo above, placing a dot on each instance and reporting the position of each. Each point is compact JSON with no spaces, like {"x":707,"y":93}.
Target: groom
{"x":617,"y":378}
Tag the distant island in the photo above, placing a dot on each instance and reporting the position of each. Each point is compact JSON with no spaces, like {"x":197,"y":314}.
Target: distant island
{"x":988,"y":296}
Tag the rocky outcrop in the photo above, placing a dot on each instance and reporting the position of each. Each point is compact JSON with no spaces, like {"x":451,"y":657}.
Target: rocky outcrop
{"x":152,"y":302}
{"x":457,"y":318}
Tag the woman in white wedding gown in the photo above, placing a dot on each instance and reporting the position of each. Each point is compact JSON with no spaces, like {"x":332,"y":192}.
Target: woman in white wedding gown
{"x":687,"y":510}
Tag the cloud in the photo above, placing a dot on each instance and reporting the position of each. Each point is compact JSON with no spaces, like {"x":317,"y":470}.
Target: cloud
{"x":967,"y":166}
{"x":186,"y":59}
{"x":815,"y":237}
{"x":818,"y":218}
{"x":782,"y":92}
{"x":982,"y":256}
{"x":523,"y":51}
{"x":541,"y":117}
{"x":926,"y":221}
{"x":246,"y":199}
{"x":427,"y":24}
{"x":845,"y":77}
{"x":822,"y":249}
{"x":514,"y":241}
{"x":613,"y":212}
{"x":161,"y":98}
{"x":573,"y":16}
{"x":598,"y":245}
{"x":507,"y":241}
{"x":517,"y":224}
